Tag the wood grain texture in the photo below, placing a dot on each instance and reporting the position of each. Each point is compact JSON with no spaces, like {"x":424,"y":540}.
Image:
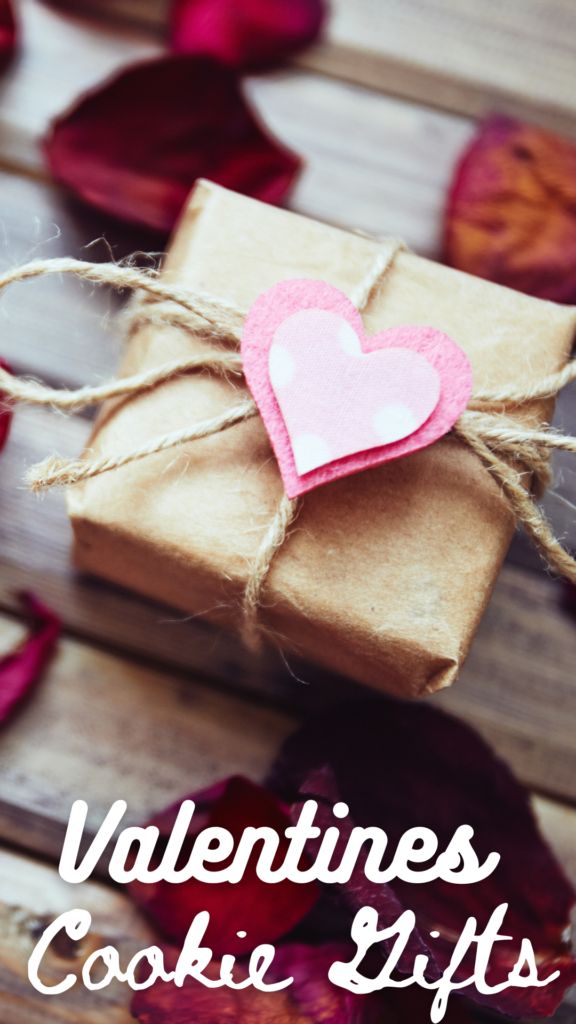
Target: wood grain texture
{"x":31,"y":896}
{"x":518,"y":686}
{"x":516,"y":57}
{"x":55,"y":328}
{"x":101,"y":728}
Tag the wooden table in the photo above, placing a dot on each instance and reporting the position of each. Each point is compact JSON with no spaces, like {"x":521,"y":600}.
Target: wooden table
{"x":137,"y":700}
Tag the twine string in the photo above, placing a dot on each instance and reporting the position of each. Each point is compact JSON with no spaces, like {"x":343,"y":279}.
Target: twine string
{"x":273,"y":539}
{"x":55,"y":471}
{"x":35,"y":393}
{"x":512,"y":454}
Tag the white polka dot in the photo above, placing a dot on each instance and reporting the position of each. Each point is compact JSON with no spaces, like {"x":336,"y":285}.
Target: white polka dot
{"x":348,"y":339}
{"x":393,"y":422}
{"x":280,"y":366}
{"x":310,"y":451}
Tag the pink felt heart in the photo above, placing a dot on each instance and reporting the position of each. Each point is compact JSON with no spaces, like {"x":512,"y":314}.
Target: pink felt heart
{"x":335,"y":402}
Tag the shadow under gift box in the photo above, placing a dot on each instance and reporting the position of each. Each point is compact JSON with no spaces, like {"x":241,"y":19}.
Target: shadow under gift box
{"x":386,"y":573}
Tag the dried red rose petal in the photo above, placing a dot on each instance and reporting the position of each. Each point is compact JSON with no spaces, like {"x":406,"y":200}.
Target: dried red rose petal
{"x":8,"y":32}
{"x":135,"y":146}
{"x":265,"y":912}
{"x":245,"y":34}
{"x":510,"y":212}
{"x":311,"y":999}
{"x":398,"y":766}
{"x":22,"y":668}
{"x":5,"y":412}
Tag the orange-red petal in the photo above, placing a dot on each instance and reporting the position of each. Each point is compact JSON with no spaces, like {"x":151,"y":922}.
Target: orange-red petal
{"x":511,"y":215}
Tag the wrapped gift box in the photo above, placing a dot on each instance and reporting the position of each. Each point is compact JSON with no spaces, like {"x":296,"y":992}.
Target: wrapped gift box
{"x":387,"y":573}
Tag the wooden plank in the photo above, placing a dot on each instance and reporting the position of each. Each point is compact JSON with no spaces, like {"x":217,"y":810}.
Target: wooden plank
{"x":517,"y":57}
{"x":518,"y":686}
{"x":372,"y":163}
{"x":102,"y":728}
{"x":57,"y":328}
{"x":54,"y":328}
{"x":31,"y":895}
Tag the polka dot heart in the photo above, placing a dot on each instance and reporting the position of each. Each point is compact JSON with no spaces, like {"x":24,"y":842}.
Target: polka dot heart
{"x":335,"y":402}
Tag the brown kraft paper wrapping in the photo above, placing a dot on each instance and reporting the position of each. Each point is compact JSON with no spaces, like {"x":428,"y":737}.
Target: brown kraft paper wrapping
{"x":386,"y":574}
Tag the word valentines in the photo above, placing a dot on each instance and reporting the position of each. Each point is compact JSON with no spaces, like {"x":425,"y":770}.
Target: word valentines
{"x":417,"y":859}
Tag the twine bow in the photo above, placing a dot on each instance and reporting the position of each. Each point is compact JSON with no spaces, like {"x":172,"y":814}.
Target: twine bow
{"x":512,"y":454}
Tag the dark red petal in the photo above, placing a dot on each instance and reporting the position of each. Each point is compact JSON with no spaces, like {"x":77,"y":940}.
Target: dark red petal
{"x":8,"y":32}
{"x":311,"y":999}
{"x":5,"y":412}
{"x":398,"y":766}
{"x":264,"y":911}
{"x":21,"y":669}
{"x":245,"y":34}
{"x":135,"y":146}
{"x":510,"y":213}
